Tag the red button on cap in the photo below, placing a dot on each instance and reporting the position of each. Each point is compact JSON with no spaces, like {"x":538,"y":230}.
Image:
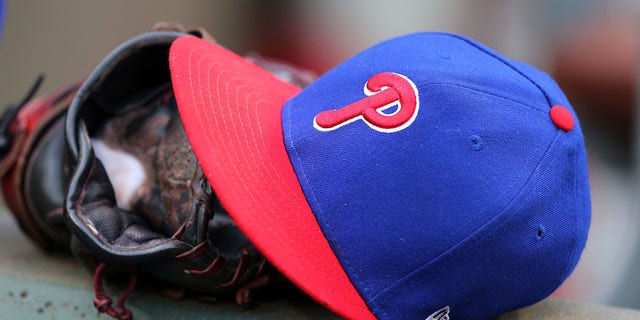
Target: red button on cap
{"x":561,"y":117}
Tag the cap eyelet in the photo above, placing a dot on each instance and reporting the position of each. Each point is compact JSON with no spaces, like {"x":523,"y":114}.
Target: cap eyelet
{"x":475,"y":142}
{"x":540,"y":232}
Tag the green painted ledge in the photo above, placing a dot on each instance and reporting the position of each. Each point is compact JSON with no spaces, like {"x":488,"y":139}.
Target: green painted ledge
{"x":28,"y":299}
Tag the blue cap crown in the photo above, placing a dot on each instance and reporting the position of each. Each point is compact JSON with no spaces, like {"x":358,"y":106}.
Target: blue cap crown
{"x":440,"y":178}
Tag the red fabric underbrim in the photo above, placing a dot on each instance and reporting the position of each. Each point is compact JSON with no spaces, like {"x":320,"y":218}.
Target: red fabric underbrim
{"x":231,"y":111}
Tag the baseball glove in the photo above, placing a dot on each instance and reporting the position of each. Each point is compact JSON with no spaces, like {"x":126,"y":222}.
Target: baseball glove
{"x":134,"y":197}
{"x":33,"y":171}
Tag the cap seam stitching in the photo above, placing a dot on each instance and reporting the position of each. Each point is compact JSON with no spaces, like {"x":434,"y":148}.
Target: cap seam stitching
{"x":574,"y":239}
{"x":507,"y":63}
{"x":542,"y":112}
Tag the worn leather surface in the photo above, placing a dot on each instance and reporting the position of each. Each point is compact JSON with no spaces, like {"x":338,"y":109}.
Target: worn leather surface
{"x":174,"y":227}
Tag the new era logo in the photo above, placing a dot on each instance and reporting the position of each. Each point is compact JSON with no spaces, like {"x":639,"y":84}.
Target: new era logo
{"x":442,"y":314}
{"x":384,"y":91}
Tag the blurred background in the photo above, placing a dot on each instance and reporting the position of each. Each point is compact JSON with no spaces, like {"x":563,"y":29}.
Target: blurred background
{"x":591,"y":47}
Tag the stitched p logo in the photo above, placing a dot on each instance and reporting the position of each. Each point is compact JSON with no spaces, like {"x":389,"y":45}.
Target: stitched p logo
{"x":383,"y":90}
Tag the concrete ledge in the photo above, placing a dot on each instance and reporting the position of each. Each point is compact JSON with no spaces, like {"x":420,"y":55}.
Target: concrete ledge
{"x":35,"y":285}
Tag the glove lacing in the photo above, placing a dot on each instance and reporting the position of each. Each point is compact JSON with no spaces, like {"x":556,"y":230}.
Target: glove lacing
{"x":104,"y":303}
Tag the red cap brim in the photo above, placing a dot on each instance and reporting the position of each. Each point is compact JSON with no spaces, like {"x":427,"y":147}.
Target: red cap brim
{"x":231,"y":111}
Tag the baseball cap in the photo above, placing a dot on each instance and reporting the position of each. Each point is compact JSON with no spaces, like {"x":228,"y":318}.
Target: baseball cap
{"x":426,"y":177}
